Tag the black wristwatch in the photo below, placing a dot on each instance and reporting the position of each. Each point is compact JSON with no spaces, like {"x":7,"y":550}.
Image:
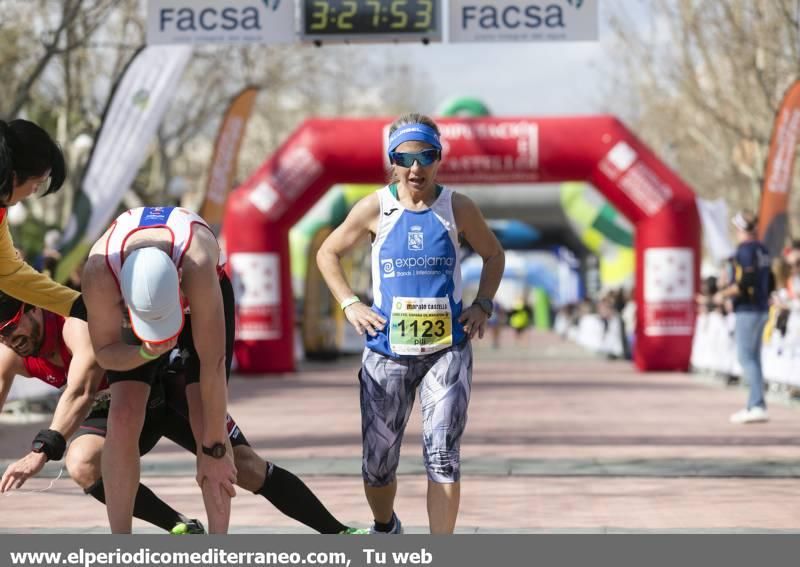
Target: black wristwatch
{"x":486,"y":304}
{"x":37,"y":446}
{"x":217,"y":450}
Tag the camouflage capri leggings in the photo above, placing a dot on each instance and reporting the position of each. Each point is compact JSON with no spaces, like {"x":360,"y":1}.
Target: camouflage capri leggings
{"x":388,"y":388}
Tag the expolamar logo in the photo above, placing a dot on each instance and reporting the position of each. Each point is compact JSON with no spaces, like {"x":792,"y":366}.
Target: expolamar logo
{"x":388,"y":267}
{"x":424,"y":262}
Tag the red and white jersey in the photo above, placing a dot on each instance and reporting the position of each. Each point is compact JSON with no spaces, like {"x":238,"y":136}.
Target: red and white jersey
{"x":177,"y":220}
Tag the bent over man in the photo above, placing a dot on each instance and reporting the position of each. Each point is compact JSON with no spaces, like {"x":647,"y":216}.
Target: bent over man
{"x":133,"y":269}
{"x":43,"y":345}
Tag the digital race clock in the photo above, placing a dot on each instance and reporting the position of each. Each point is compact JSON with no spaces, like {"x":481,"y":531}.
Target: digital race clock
{"x":365,"y":20}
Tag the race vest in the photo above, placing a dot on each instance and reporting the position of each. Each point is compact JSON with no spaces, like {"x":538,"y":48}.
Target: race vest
{"x":416,"y":277}
{"x":177,"y":220}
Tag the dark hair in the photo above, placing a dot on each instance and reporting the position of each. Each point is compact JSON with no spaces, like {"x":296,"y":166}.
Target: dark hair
{"x":750,"y":220}
{"x":9,"y":307}
{"x":26,"y":151}
{"x":410,"y":118}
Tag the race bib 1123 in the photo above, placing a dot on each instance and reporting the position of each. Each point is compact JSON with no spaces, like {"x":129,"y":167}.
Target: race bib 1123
{"x":420,"y":325}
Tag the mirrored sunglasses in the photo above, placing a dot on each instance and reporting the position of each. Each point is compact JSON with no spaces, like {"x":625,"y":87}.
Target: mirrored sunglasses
{"x":407,"y":159}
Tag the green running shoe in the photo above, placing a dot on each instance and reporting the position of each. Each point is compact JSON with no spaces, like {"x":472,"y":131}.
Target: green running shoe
{"x":354,"y":531}
{"x":189,"y":527}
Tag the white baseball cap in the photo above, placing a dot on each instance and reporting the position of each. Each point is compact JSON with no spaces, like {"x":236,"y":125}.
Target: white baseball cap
{"x":745,"y":221}
{"x":151,"y":289}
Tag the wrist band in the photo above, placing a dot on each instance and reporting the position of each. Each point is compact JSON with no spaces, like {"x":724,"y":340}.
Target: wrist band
{"x":51,"y":443}
{"x":146,"y":355}
{"x":349,"y":301}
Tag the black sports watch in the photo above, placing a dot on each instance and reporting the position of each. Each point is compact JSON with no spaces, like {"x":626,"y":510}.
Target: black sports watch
{"x":37,"y":446}
{"x":486,"y":304}
{"x":217,"y":450}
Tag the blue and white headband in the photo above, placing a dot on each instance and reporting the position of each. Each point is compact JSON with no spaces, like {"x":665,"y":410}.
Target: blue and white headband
{"x":415,"y":132}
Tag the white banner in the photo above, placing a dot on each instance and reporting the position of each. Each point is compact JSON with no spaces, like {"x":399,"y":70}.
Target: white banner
{"x":716,"y":229}
{"x":523,"y":20}
{"x":129,"y":125}
{"x":221,"y":21}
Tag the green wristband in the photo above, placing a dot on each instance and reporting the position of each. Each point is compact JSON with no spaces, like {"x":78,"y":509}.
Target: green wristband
{"x":147,"y":356}
{"x":349,"y":301}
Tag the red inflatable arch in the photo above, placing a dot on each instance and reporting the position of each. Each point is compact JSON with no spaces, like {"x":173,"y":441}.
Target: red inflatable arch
{"x":597,"y":149}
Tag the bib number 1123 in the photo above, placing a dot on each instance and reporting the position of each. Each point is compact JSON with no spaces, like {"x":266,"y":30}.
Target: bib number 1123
{"x":420,"y":325}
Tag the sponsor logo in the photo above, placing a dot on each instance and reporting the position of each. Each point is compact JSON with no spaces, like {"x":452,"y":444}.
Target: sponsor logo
{"x":532,"y":16}
{"x":220,"y":21}
{"x":152,"y":216}
{"x":230,"y":425}
{"x":390,"y":211}
{"x":416,"y":265}
{"x":387,"y":267}
{"x":230,"y":18}
{"x":415,"y":238}
{"x":522,"y":20}
{"x":424,"y":262}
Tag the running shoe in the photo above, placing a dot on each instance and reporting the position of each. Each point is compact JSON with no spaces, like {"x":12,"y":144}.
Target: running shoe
{"x":355,"y":531}
{"x":755,"y":414}
{"x":397,"y":527}
{"x":189,"y":527}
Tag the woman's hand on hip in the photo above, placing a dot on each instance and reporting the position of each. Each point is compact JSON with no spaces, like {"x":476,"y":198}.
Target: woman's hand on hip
{"x":364,"y":319}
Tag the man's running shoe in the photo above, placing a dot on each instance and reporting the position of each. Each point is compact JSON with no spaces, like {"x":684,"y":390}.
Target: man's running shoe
{"x":355,"y":531}
{"x":189,"y":527}
{"x":397,"y":527}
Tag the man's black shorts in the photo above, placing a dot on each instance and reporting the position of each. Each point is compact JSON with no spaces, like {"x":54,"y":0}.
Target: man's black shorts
{"x":166,"y":416}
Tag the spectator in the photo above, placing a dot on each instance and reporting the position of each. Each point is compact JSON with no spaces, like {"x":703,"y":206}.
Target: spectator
{"x":520,"y":318}
{"x":629,"y":320}
{"x":705,"y":299}
{"x":494,"y":322}
{"x":750,"y":293}
{"x":793,"y":277}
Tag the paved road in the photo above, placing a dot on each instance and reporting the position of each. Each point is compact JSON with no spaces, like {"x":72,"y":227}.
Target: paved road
{"x":558,"y":441}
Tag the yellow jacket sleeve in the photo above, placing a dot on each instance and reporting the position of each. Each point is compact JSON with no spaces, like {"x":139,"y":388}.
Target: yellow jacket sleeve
{"x":19,"y":280}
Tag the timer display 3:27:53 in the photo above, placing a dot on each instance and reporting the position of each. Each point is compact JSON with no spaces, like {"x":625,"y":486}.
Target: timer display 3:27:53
{"x":355,"y":17}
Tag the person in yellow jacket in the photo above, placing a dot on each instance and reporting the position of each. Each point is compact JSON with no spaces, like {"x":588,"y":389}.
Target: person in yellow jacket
{"x":31,"y":163}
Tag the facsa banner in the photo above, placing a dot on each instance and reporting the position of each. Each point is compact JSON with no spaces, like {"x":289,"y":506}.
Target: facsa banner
{"x":220,"y":21}
{"x":523,"y":20}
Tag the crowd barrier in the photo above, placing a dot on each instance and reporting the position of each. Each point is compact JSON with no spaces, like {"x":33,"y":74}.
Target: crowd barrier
{"x":593,"y":333}
{"x":714,"y":349}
